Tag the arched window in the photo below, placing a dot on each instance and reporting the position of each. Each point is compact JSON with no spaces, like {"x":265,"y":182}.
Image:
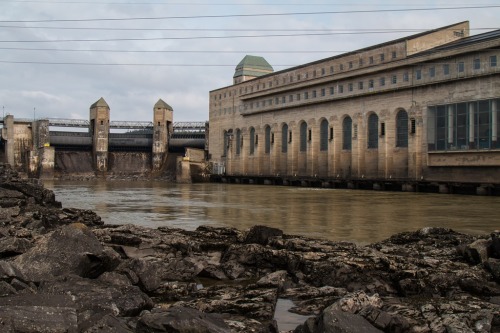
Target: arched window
{"x":373,"y":131}
{"x":402,"y":129}
{"x":347,"y":133}
{"x":267,"y":138}
{"x":284,"y":139}
{"x":237,"y":141}
{"x":252,"y":140}
{"x":303,"y":136}
{"x":226,"y":143}
{"x":323,"y":135}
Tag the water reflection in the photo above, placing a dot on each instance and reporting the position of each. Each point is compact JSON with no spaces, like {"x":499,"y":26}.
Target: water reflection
{"x":361,"y":216}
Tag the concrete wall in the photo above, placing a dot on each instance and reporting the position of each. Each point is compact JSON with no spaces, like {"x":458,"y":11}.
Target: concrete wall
{"x":130,"y":163}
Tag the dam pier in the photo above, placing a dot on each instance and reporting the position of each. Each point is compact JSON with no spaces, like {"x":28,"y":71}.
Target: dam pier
{"x":45,"y":148}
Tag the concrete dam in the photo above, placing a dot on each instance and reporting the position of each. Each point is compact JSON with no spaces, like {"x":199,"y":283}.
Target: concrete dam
{"x":56,"y":147}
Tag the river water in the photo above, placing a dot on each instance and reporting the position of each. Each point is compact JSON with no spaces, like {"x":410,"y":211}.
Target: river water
{"x":336,"y":214}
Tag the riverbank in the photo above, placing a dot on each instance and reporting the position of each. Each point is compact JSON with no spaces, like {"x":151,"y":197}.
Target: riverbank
{"x":64,"y":270}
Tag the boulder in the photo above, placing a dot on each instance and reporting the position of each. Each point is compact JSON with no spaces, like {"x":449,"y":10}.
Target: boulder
{"x":181,"y":320}
{"x":261,"y":234}
{"x":12,"y":246}
{"x":94,"y":299}
{"x":476,"y":252}
{"x":72,"y":249}
{"x":38,"y":313}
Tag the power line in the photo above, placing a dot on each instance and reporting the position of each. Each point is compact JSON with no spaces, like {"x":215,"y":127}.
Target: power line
{"x":188,"y":38}
{"x":224,"y":30}
{"x":253,"y":15}
{"x":121,"y":64}
{"x":232,"y":3}
{"x":164,"y":51}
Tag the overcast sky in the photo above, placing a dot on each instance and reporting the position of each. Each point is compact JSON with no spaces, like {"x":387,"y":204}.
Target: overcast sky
{"x":57,"y":57}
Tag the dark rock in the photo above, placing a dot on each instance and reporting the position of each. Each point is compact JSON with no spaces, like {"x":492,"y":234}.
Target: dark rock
{"x":181,"y":320}
{"x":38,"y":313}
{"x":261,"y":234}
{"x":9,"y":271}
{"x":493,"y":265}
{"x":34,"y":190}
{"x":94,"y":298}
{"x":336,"y":321}
{"x":495,"y":245}
{"x":12,"y":246}
{"x":476,"y":252}
{"x":108,"y":324}
{"x":6,"y":289}
{"x":278,"y":279}
{"x":307,"y":327}
{"x":72,"y":249}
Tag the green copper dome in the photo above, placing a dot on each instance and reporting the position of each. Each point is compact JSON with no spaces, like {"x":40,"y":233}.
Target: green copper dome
{"x":253,"y":66}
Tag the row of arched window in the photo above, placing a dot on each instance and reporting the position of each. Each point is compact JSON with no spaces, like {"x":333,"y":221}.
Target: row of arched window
{"x":349,"y":132}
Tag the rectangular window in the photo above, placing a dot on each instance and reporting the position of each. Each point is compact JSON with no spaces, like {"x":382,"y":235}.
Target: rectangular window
{"x":370,"y":60}
{"x":382,"y":57}
{"x":306,"y":95}
{"x":350,"y":64}
{"x":432,"y":71}
{"x":462,"y":126}
{"x":290,"y":98}
{"x":461,"y":67}
{"x":446,"y":69}
{"x":493,"y":61}
{"x":406,"y":77}
{"x":314,"y":73}
{"x":298,"y":97}
{"x":291,"y":78}
{"x":341,"y":66}
{"x":323,"y":72}
{"x":331,"y":69}
{"x":382,"y":129}
{"x":350,"y":87}
{"x":360,"y":62}
{"x":360,"y":85}
{"x":394,"y":55}
{"x":322,"y":92}
{"x":332,"y":90}
{"x":283,"y":100}
{"x":370,"y":84}
{"x":413,"y":126}
{"x":341,"y":89}
{"x":418,"y":74}
{"x":394,"y":79}
{"x":314,"y":94}
{"x":382,"y":81}
{"x":298,"y":77}
{"x":277,"y":101}
{"x":331,"y":133}
{"x":477,"y":64}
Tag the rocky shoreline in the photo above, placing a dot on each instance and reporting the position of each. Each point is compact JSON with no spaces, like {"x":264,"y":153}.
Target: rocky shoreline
{"x":64,"y":270}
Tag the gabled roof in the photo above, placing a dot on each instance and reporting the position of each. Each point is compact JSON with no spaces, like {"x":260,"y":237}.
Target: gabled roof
{"x":100,"y":102}
{"x":253,"y":66}
{"x":162,"y":105}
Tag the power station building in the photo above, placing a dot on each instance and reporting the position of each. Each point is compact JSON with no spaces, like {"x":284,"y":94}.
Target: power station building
{"x":416,"y":109}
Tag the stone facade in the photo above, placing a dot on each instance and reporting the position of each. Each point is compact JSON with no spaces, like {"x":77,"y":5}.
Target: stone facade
{"x":390,"y":111}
